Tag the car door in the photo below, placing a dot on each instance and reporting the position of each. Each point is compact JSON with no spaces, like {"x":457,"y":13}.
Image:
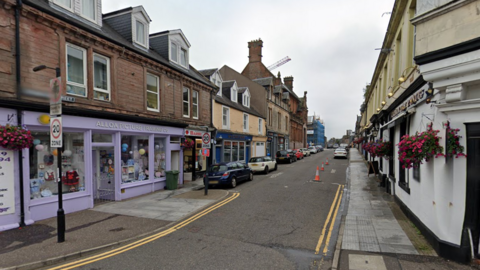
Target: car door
{"x":242,"y":171}
{"x":271,"y":164}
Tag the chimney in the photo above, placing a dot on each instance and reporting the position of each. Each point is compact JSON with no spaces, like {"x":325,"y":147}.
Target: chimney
{"x":288,"y":81}
{"x":255,"y":51}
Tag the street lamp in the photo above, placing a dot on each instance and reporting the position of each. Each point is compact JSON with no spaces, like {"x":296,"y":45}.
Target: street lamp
{"x":60,"y":211}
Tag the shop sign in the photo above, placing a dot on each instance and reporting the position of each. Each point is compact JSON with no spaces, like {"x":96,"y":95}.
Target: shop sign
{"x":235,"y":137}
{"x":309,"y":132}
{"x":123,"y":126}
{"x":194,"y":133}
{"x":7,"y":194}
{"x":409,"y":102}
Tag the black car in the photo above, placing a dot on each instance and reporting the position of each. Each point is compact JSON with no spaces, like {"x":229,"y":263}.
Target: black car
{"x":285,"y":156}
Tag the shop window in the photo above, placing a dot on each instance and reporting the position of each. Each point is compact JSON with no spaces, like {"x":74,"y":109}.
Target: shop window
{"x":134,"y":158}
{"x":159,"y":159}
{"x":102,"y":138}
{"x":101,"y":77}
{"x":227,"y":151}
{"x":241,"y":152}
{"x":234,"y":151}
{"x":43,"y":165}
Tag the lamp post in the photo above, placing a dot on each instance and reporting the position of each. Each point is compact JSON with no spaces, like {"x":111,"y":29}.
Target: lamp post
{"x":60,"y":211}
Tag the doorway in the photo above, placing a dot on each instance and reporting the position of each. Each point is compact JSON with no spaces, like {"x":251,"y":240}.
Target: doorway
{"x":472,"y":215}
{"x":103,"y":159}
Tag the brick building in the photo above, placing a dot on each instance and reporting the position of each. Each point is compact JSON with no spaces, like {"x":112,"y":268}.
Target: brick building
{"x":128,"y":97}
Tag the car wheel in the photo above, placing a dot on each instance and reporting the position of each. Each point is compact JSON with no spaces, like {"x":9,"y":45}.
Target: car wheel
{"x":266,"y":170}
{"x":250,"y":178}
{"x":234,"y":182}
{"x":290,"y":160}
{"x":275,"y":167}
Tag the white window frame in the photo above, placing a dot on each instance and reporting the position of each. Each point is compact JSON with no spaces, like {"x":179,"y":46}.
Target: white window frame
{"x":85,"y":75}
{"x":245,"y":124}
{"x":138,"y":17}
{"x":178,"y":54}
{"x":157,"y":93}
{"x":170,"y":51}
{"x":234,"y":94}
{"x":260,"y":125}
{"x":108,"y":90}
{"x":195,"y":105}
{"x":186,"y":101}
{"x":180,"y":57}
{"x":227,"y":126}
{"x":59,"y":3}
{"x":95,"y":11}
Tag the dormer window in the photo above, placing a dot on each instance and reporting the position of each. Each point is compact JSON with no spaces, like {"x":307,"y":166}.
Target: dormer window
{"x":174,"y":52}
{"x":64,"y":3}
{"x":140,"y":33}
{"x":234,"y":94}
{"x":183,"y":57}
{"x":178,"y":54}
{"x":89,"y":9}
{"x":246,"y":99}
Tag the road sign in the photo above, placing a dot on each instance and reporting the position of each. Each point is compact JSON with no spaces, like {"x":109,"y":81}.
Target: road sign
{"x":206,"y":138}
{"x":56,"y":132}
{"x":206,"y":152}
{"x":56,"y":96}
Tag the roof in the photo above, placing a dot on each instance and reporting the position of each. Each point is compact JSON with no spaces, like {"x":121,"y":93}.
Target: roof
{"x":108,"y":33}
{"x":264,"y":81}
{"x":208,"y":72}
{"x":227,"y":102}
{"x":242,"y":90}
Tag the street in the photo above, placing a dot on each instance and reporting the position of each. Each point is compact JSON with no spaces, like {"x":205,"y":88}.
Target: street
{"x":277,"y":221}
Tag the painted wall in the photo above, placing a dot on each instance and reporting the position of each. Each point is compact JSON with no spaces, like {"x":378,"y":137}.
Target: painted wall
{"x":236,"y":121}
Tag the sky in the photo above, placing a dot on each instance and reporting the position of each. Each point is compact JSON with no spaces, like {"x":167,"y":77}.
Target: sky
{"x":331,"y":43}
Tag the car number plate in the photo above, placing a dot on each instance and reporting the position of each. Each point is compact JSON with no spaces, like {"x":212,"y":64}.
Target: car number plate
{"x":254,"y":164}
{"x":212,"y":182}
{"x":282,"y":158}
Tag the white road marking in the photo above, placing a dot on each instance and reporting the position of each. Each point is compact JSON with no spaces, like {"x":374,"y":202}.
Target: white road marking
{"x":333,"y":171}
{"x":276,"y":175}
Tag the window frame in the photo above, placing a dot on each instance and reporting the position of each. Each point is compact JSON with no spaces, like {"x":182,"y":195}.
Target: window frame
{"x":157,"y":93}
{"x":246,"y":99}
{"x":187,"y":101}
{"x":176,"y":51}
{"x":95,"y":3}
{"x":85,"y":74}
{"x":234,"y":95}
{"x":185,"y":56}
{"x":227,"y":126}
{"x":109,"y":87}
{"x":195,"y":104}
{"x":279,"y":121}
{"x":59,"y":3}
{"x":247,"y":127}
{"x":260,"y":128}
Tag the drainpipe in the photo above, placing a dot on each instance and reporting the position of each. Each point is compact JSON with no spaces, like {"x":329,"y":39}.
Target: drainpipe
{"x":19,"y":112}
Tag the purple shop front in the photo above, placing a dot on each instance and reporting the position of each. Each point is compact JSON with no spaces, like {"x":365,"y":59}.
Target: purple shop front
{"x":102,"y":160}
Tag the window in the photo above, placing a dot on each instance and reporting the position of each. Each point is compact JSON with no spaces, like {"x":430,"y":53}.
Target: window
{"x":234,"y":94}
{"x":246,"y":100}
{"x":183,"y":57}
{"x":269,"y":93}
{"x":134,"y":159}
{"x":89,"y":9}
{"x":152,"y":93}
{"x":76,"y":70}
{"x":101,"y":77}
{"x":286,"y":123}
{"x":279,"y":120}
{"x":195,"y":104}
{"x":270,"y":113}
{"x":140,"y":33}
{"x":226,"y":118}
{"x":174,"y":52}
{"x":260,"y":124}
{"x":416,"y":173}
{"x":186,"y":102}
{"x":245,"y":122}
{"x":65,"y":3}
{"x":227,"y":151}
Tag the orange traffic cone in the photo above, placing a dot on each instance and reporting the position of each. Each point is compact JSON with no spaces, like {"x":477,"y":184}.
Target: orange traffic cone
{"x":317,"y":176}
{"x":322,"y":169}
{"x":326,"y":163}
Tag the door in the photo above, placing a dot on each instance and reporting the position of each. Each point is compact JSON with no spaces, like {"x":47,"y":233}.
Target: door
{"x":103,"y":173}
{"x":472,"y":215}
{"x":260,"y":149}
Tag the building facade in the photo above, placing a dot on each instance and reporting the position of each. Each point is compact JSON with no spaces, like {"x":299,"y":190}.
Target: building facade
{"x":315,"y":131}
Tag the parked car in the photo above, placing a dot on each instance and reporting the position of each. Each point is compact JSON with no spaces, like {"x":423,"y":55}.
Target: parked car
{"x":312,"y":149}
{"x":290,"y":152}
{"x":340,"y":152}
{"x":298,"y":153}
{"x":230,"y":173}
{"x":284,"y":156}
{"x":330,"y":145}
{"x":335,"y":146}
{"x":319,"y":147}
{"x":262,"y":164}
{"x":305,"y":151}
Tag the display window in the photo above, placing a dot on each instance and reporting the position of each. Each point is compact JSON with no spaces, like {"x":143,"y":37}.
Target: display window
{"x":159,"y":163}
{"x":43,"y":165}
{"x":234,"y":151}
{"x":134,"y":158}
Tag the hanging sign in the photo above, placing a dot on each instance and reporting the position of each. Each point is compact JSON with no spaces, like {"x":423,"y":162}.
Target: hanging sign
{"x":7,"y":194}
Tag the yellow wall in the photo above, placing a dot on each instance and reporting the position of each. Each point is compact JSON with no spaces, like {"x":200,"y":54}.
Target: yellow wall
{"x":236,"y":121}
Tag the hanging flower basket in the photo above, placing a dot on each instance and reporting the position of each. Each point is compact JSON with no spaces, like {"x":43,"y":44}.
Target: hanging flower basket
{"x":454,"y":148}
{"x":412,"y":150}
{"x":358,"y":140}
{"x":188,"y":144}
{"x":15,"y":137}
{"x":379,"y":148}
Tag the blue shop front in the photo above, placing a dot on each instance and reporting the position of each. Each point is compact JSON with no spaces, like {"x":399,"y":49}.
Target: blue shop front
{"x":232,"y":147}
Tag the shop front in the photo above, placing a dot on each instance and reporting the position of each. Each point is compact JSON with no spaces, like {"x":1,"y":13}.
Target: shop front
{"x":194,"y":163}
{"x":275,"y":142}
{"x":232,"y":147}
{"x":102,"y":160}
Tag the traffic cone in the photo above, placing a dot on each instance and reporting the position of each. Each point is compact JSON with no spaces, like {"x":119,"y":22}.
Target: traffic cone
{"x":317,"y":176}
{"x":326,"y":163}
{"x":322,"y":169}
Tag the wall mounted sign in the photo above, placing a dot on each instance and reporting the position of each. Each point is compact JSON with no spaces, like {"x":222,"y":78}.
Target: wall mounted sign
{"x":7,"y":194}
{"x":409,"y":102}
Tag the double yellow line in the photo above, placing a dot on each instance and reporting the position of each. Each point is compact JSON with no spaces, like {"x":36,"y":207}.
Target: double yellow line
{"x":146,"y":239}
{"x":331,"y":220}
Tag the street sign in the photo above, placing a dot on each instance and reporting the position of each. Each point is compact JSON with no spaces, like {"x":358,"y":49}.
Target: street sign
{"x":206,"y":140}
{"x":205,"y":152}
{"x":55,"y":96}
{"x":55,"y":109}
{"x":206,"y":145}
{"x":56,"y":132}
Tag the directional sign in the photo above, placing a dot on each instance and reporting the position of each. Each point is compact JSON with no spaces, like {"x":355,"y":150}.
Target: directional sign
{"x":56,"y":132}
{"x":205,"y":152}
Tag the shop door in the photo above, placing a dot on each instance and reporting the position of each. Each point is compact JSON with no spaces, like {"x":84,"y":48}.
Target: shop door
{"x":260,"y":149}
{"x":103,"y":174}
{"x":472,"y":211}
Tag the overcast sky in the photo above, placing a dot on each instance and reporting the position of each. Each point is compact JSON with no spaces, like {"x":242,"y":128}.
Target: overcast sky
{"x":331,"y":43}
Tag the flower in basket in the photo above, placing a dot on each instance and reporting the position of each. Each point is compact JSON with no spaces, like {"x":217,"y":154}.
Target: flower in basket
{"x":412,"y":150}
{"x":454,"y":148}
{"x":382,"y":149}
{"x":15,"y":137}
{"x":188,"y":143}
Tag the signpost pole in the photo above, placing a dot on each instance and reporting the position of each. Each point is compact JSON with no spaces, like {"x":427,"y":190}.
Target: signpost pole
{"x":60,"y":211}
{"x":206,"y":140}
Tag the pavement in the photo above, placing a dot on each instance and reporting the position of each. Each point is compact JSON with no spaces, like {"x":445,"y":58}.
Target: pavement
{"x":375,"y":234}
{"x":117,"y":223}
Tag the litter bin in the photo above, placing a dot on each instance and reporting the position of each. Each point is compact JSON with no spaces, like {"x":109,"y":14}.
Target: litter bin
{"x":172,"y":180}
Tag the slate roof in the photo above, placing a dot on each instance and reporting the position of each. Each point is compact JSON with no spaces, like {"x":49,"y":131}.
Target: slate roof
{"x":108,"y":33}
{"x":208,"y":72}
{"x":242,"y":90}
{"x":264,"y":81}
{"x":227,"y":102}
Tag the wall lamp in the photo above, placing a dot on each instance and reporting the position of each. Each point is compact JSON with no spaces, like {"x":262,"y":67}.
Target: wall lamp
{"x":42,"y":67}
{"x":383,"y":103}
{"x":406,"y":73}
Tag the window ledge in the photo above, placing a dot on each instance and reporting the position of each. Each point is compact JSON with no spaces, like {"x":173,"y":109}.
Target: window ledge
{"x":404,"y":186}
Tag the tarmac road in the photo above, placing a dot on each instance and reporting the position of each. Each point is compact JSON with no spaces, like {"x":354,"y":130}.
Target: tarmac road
{"x":274,"y":222}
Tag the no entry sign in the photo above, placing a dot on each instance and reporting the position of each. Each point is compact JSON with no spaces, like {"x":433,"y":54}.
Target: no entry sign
{"x":56,"y":132}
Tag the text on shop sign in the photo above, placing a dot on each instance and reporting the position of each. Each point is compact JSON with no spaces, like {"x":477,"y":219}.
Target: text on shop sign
{"x":114,"y":125}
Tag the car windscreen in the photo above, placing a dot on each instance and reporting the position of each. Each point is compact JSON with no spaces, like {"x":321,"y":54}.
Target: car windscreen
{"x":256,"y":159}
{"x":218,"y":168}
